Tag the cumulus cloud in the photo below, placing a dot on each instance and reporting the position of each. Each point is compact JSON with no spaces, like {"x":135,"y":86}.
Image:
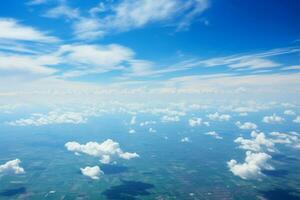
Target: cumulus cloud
{"x":11,"y":167}
{"x":195,"y":122}
{"x":147,"y":123}
{"x":152,"y":130}
{"x":273,"y":119}
{"x":92,"y":172}
{"x":214,"y":134}
{"x":289,"y":112}
{"x":185,"y":140}
{"x":133,"y":120}
{"x":131,"y":131}
{"x":258,"y":142}
{"x":52,"y":117}
{"x":219,"y":117}
{"x":289,"y":139}
{"x":167,"y":118}
{"x":252,"y":167}
{"x":297,"y":120}
{"x":246,"y":125}
{"x":106,"y":151}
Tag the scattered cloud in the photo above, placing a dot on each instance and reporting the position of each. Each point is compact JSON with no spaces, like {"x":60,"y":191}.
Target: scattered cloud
{"x":167,"y":118}
{"x":128,"y":14}
{"x":258,"y":142}
{"x":131,"y":131}
{"x":63,"y":11}
{"x":152,"y":130}
{"x":133,"y":120}
{"x":185,"y":140}
{"x":289,"y":139}
{"x":11,"y":29}
{"x":252,"y":167}
{"x":246,"y":125}
{"x":273,"y":119}
{"x":195,"y":122}
{"x":52,"y":117}
{"x":297,"y":120}
{"x":106,"y":151}
{"x":214,"y":134}
{"x":11,"y":167}
{"x":147,"y":123}
{"x":219,"y":117}
{"x":92,"y":172}
{"x":289,"y":112}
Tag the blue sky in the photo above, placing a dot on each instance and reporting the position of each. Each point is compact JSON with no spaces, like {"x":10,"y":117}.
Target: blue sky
{"x":170,"y":47}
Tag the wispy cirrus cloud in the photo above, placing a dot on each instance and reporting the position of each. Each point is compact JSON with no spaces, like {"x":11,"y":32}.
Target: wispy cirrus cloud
{"x":11,"y":29}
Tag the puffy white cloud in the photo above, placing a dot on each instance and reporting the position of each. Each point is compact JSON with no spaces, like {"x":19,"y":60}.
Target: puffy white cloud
{"x":289,"y":112}
{"x":246,"y":125}
{"x":219,"y":117}
{"x":252,"y":167}
{"x":11,"y":29}
{"x":147,"y":123}
{"x":297,"y":120}
{"x":152,"y":130}
{"x":131,"y":131}
{"x":185,"y":140}
{"x":52,"y":117}
{"x":167,"y":118}
{"x":290,"y":139}
{"x":258,"y":142}
{"x":11,"y":167}
{"x":133,"y":120}
{"x":273,"y":119}
{"x":92,"y":172}
{"x":214,"y":134}
{"x":195,"y":122}
{"x":106,"y":150}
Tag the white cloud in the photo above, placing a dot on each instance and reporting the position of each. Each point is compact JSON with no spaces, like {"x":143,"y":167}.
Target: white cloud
{"x":52,"y":117}
{"x":214,"y":134}
{"x":289,"y":112}
{"x":246,"y":125}
{"x":11,"y":29}
{"x":130,"y":14}
{"x":170,"y":118}
{"x":252,"y":167}
{"x":89,"y":59}
{"x":219,"y":117}
{"x":254,"y":63}
{"x":147,"y":123}
{"x":37,"y":65}
{"x":273,"y":119}
{"x":258,"y":142}
{"x":92,"y":172}
{"x":106,"y":150}
{"x":131,"y":131}
{"x":185,"y":140}
{"x":11,"y":167}
{"x":36,"y":2}
{"x":195,"y":122}
{"x":287,"y":139}
{"x":63,"y":11}
{"x":133,"y":120}
{"x":152,"y":130}
{"x":297,"y":120}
